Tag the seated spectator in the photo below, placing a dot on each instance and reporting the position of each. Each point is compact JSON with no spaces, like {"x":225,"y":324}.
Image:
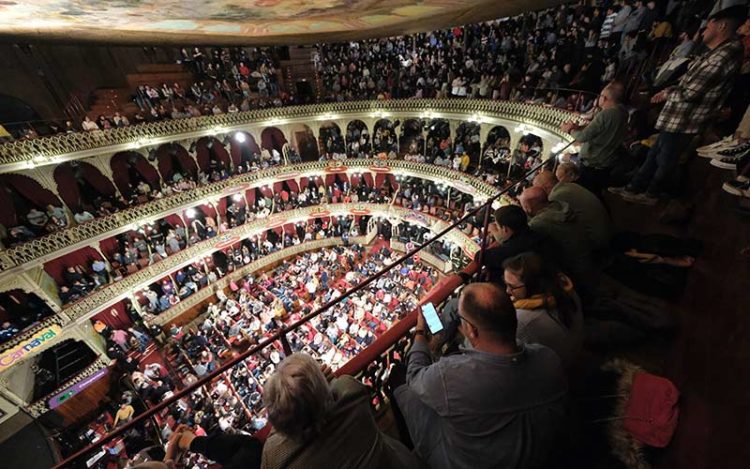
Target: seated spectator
{"x":558,"y":221}
{"x":83,"y":216}
{"x":37,"y":218}
{"x":586,"y":206}
{"x":511,"y":230}
{"x":547,"y":307}
{"x":500,"y":404}
{"x":232,"y":451}
{"x":316,"y":423}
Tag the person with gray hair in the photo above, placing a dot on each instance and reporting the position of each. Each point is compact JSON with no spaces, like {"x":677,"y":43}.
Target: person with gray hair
{"x":321,"y":422}
{"x":601,"y":139}
{"x":498,"y":404}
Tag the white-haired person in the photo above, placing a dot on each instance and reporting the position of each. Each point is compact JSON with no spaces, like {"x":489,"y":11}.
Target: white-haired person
{"x":321,"y":422}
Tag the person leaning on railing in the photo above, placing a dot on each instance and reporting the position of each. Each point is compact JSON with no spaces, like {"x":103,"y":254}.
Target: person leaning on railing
{"x":322,"y":422}
{"x":498,"y":404}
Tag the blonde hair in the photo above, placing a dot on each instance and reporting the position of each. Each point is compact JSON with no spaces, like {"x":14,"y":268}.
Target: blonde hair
{"x":297,"y":397}
{"x":569,"y":170}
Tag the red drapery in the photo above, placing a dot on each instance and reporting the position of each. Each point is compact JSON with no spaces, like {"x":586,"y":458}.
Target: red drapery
{"x":119,"y":164}
{"x":82,"y":257}
{"x":68,"y":187}
{"x":114,"y":316}
{"x":203,"y":154}
{"x":272,"y":138}
{"x":367,"y":177}
{"x":8,"y":216}
{"x":30,"y":190}
{"x":235,"y":148}
{"x":166,"y":166}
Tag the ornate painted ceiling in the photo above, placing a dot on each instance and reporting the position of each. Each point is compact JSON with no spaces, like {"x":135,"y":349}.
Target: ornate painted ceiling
{"x":240,"y":21}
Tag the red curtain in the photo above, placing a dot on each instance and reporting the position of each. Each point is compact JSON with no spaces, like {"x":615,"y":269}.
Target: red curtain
{"x":203,"y":154}
{"x":114,"y":316}
{"x":109,"y":246}
{"x":186,"y":164}
{"x":235,"y":148}
{"x":31,"y":190}
{"x":271,"y":137}
{"x":250,"y":195}
{"x":174,"y":220}
{"x":97,"y":180}
{"x":83,"y":257}
{"x":367,"y":177}
{"x":119,"y":164}
{"x":67,"y":186}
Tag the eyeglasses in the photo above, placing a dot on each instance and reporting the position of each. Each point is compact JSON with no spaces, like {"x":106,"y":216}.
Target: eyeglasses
{"x":467,"y":321}
{"x":509,"y":287}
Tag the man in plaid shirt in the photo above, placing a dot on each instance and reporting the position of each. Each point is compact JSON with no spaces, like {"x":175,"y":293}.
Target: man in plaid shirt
{"x":689,"y":105}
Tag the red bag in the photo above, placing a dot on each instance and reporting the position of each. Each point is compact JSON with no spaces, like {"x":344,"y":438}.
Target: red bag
{"x":651,"y":412}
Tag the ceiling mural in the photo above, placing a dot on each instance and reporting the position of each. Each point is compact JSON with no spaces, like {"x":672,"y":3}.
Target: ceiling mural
{"x":132,"y":19}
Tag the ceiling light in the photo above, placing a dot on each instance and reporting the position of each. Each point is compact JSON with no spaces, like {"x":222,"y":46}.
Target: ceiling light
{"x":239,"y":137}
{"x":190,"y":213}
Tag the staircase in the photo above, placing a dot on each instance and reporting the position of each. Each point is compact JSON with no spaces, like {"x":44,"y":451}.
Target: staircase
{"x":107,"y":101}
{"x":300,"y":67}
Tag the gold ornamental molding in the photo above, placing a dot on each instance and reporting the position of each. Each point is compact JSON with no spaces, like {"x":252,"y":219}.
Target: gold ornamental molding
{"x":25,"y":154}
{"x":57,"y":243}
{"x":80,"y":311}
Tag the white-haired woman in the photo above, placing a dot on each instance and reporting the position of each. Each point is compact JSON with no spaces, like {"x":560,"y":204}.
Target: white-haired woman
{"x":317,"y":424}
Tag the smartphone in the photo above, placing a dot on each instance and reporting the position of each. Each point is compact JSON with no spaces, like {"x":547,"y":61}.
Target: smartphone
{"x":431,"y":318}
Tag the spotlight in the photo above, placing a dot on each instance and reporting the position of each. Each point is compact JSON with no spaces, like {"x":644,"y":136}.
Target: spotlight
{"x":190,"y":213}
{"x":239,"y":137}
{"x":237,"y":197}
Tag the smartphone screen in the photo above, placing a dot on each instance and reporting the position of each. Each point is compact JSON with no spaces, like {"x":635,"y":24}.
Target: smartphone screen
{"x":431,"y":318}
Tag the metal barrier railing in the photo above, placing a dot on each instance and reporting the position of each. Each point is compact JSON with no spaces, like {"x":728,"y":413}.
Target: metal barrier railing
{"x":281,"y":335}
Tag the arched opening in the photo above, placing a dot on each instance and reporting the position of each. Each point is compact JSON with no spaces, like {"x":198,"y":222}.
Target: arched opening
{"x":18,"y":311}
{"x":60,"y":363}
{"x":439,"y":146}
{"x":358,"y":140}
{"x":412,"y":137}
{"x":26,"y":206}
{"x":305,"y":142}
{"x":175,"y":163}
{"x":83,"y":187}
{"x":134,"y":176}
{"x":496,"y":151}
{"x":384,"y":139}
{"x":528,"y":153}
{"x":244,"y":149}
{"x":331,"y":141}
{"x":468,"y":141}
{"x":272,"y":139}
{"x":78,"y":273}
{"x":213,"y":158}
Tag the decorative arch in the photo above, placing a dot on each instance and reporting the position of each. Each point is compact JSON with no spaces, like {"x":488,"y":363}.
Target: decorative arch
{"x":330,"y":138}
{"x":467,"y":137}
{"x":357,"y":139}
{"x":173,"y":158}
{"x":272,"y":138}
{"x":243,"y":147}
{"x":82,"y":186}
{"x":19,"y":194}
{"x":384,"y":138}
{"x":412,"y":136}
{"x":304,"y":140}
{"x":211,"y":154}
{"x":129,"y":168}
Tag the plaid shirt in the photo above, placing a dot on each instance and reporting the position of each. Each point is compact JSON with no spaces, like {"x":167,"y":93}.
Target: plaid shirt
{"x":702,"y":90}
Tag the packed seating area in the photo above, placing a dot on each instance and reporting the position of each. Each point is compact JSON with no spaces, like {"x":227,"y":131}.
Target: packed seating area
{"x":541,"y":351}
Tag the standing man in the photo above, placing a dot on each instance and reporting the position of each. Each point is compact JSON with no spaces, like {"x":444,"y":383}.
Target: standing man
{"x":601,"y":139}
{"x":690,"y":104}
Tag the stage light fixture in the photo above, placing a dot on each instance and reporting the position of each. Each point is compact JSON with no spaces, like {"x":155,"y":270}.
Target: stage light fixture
{"x":190,"y":213}
{"x":239,"y":137}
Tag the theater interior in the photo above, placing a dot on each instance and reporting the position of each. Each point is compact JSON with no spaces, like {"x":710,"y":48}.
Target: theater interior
{"x":192,"y":194}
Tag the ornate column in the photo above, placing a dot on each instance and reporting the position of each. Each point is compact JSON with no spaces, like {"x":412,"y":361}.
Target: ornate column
{"x":102,"y":163}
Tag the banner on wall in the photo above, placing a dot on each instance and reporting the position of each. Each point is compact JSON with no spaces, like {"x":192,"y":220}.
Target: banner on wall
{"x":67,"y":393}
{"x":27,"y":347}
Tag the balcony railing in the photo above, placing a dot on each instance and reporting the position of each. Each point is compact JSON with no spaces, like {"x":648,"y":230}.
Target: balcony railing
{"x":47,"y":150}
{"x":43,"y":248}
{"x":114,"y":292}
{"x":383,"y":349}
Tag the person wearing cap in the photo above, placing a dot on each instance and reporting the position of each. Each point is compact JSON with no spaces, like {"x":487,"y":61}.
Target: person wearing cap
{"x":691,"y":103}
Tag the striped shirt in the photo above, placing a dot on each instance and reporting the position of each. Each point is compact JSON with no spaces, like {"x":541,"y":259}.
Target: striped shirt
{"x":607,"y":26}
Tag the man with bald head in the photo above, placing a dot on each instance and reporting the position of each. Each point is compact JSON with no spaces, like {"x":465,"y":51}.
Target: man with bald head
{"x":558,"y":221}
{"x":498,"y":404}
{"x":601,"y":139}
{"x":587,"y":208}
